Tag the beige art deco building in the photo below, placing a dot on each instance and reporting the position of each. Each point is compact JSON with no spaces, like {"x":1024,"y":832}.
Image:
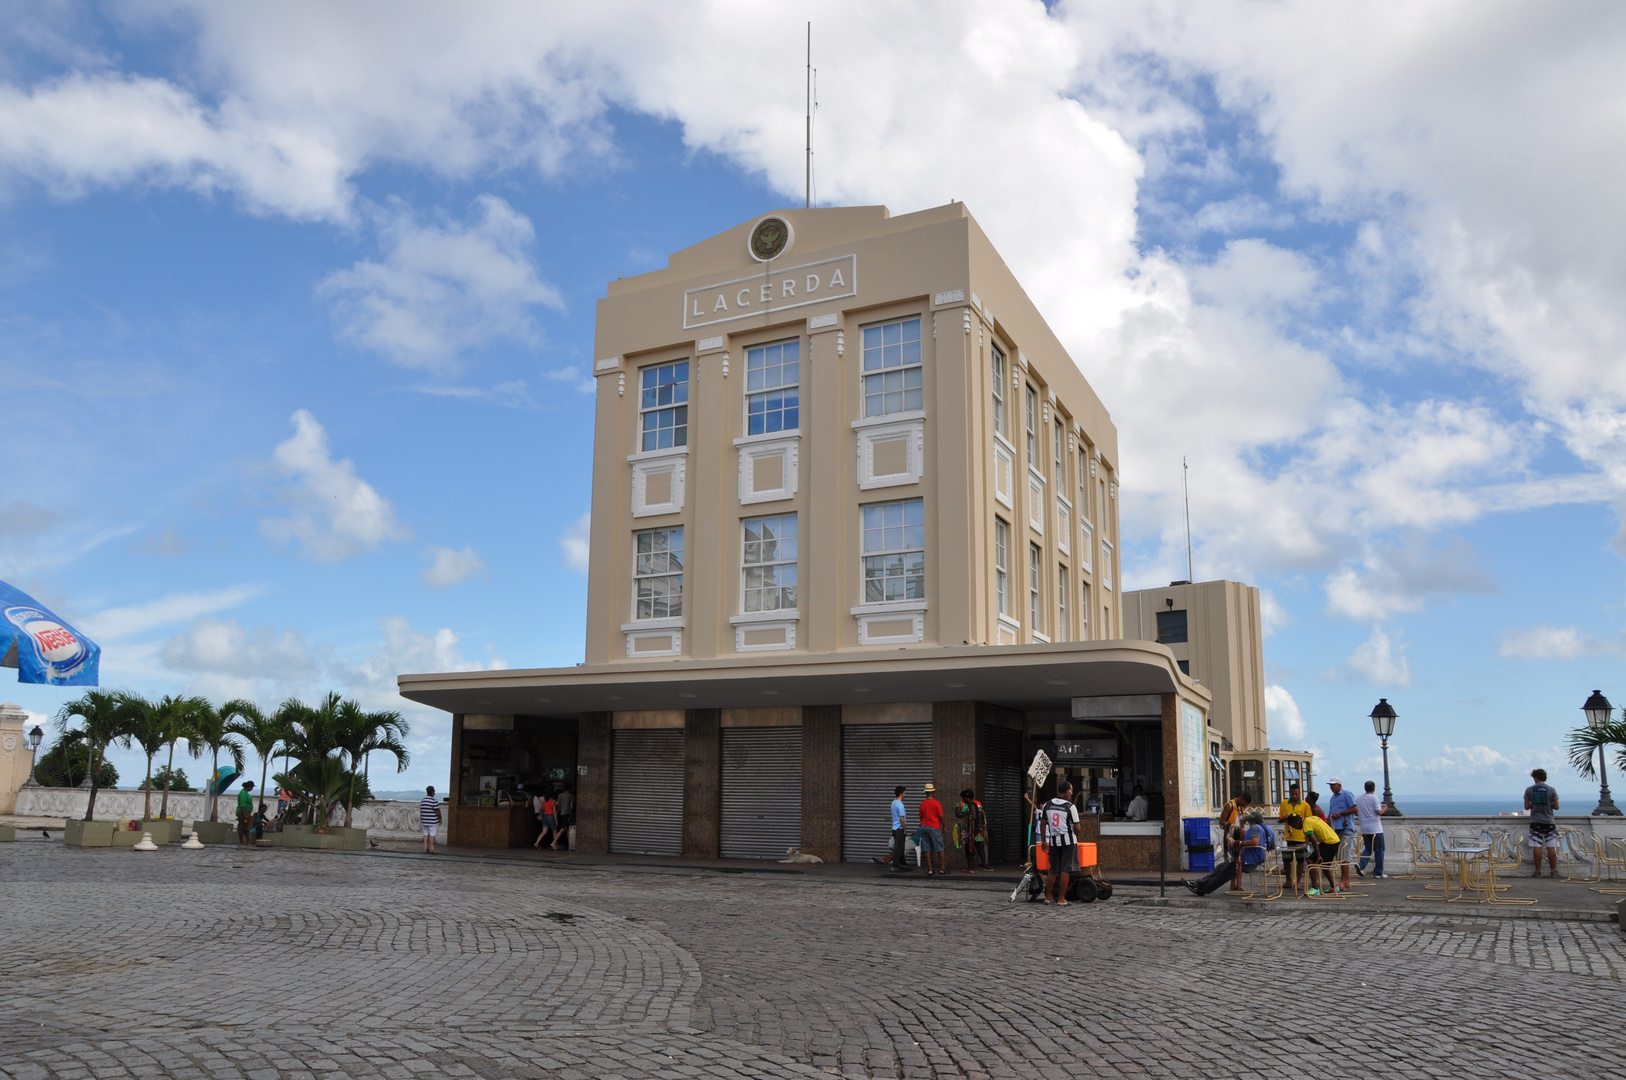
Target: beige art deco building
{"x":854,"y":523}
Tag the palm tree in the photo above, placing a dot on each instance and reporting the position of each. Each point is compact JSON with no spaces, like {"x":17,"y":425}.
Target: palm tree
{"x":1586,"y":741}
{"x":146,"y":728}
{"x":181,"y":718}
{"x":358,"y":733}
{"x":214,"y":735}
{"x":103,"y":721}
{"x":264,"y":733}
{"x":319,"y":782}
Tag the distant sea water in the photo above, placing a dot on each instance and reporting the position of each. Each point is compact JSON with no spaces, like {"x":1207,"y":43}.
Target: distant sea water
{"x":1465,"y":805}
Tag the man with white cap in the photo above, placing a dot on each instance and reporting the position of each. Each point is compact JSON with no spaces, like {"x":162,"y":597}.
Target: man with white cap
{"x":1342,"y":814}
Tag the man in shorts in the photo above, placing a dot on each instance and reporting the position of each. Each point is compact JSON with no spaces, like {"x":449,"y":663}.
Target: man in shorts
{"x":900,"y":825}
{"x":1293,"y":858}
{"x":1324,"y":844}
{"x":931,"y":833}
{"x":1542,"y":802}
{"x":1061,"y":829}
{"x":429,"y":818}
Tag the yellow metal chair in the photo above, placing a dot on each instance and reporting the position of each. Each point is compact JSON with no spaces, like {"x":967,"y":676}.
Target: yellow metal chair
{"x":1575,"y":848}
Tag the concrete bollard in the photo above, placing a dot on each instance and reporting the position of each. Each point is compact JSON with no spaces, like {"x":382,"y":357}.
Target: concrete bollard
{"x":146,"y":843}
{"x":193,"y":843}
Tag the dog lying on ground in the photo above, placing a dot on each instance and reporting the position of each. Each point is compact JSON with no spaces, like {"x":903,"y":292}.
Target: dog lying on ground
{"x":796,"y":856}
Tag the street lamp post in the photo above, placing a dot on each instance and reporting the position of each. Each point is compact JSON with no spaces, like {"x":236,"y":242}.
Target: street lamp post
{"x":1383,"y":722}
{"x":1598,"y":711}
{"x":34,"y":738}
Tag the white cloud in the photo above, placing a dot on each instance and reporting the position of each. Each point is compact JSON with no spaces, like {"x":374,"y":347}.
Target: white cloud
{"x":215,"y":646}
{"x":24,"y":518}
{"x":113,"y":624}
{"x":372,"y":678}
{"x":1399,"y":579}
{"x":1282,"y":716}
{"x":1470,"y":153}
{"x":441,"y":290}
{"x":333,"y":512}
{"x":1381,"y":661}
{"x":577,"y":544}
{"x":578,"y":379}
{"x":448,"y":567}
{"x":1547,"y":642}
{"x":1272,"y":615}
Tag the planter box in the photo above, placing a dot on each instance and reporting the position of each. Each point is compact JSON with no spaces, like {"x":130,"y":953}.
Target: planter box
{"x":329,"y":841}
{"x":164,"y":830}
{"x":215,"y":832}
{"x":88,"y":833}
{"x":349,"y":839}
{"x":126,"y":838}
{"x":8,"y":833}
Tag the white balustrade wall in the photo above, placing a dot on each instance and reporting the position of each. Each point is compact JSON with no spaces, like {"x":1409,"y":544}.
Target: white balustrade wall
{"x":385,"y":820}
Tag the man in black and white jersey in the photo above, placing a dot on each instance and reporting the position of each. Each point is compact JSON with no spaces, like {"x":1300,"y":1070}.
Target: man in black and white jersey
{"x":1061,"y":828}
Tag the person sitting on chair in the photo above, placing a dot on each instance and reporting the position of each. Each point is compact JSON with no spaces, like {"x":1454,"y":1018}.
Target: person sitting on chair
{"x":1253,"y":845}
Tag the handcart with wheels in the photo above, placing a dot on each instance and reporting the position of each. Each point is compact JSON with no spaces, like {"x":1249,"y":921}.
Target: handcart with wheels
{"x":1085,"y":887}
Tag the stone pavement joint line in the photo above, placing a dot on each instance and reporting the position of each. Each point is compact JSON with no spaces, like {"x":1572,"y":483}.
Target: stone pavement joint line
{"x":274,"y":965}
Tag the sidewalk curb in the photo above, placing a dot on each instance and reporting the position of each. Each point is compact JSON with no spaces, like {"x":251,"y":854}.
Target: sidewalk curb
{"x":1462,"y":911}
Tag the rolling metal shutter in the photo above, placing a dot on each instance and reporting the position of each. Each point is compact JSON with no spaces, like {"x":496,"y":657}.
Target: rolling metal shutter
{"x":875,"y":758}
{"x":762,"y":792}
{"x":646,"y":792}
{"x":1002,"y":794}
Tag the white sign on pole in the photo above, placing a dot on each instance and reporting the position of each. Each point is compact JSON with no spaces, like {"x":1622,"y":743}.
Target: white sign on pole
{"x":1039,"y":769}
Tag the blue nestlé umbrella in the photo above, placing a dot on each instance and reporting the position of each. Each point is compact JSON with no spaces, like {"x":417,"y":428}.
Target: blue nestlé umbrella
{"x":42,"y":647}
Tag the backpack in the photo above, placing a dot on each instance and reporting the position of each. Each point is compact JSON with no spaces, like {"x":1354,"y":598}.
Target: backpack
{"x":1253,"y":856}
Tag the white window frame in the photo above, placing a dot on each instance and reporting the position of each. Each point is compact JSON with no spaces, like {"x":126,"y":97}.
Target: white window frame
{"x":1004,"y":472}
{"x":1084,"y":613}
{"x":750,"y":394}
{"x":1036,"y":588}
{"x":1064,"y":524}
{"x":1105,"y":575}
{"x":674,"y":405}
{"x":1032,"y":400}
{"x":777,"y":564}
{"x":1036,"y":503}
{"x":907,"y":549}
{"x":1062,"y":586}
{"x":997,"y":364}
{"x":638,"y":578}
{"x":1002,"y":569}
{"x":864,"y":373}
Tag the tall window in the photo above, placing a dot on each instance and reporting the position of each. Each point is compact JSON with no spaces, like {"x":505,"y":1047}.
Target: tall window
{"x":1035,"y":581}
{"x":657,"y":573}
{"x":1061,"y":441}
{"x":1002,"y":574}
{"x":1061,"y":602}
{"x":892,"y":378}
{"x":664,"y":406}
{"x":772,"y":396}
{"x":999,"y":390}
{"x":1104,"y":573}
{"x":1084,"y":615}
{"x":769,"y":564}
{"x":1033,"y":427}
{"x":894,"y":551}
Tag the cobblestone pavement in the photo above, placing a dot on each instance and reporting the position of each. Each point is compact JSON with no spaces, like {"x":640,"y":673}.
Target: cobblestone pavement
{"x":263,"y":965}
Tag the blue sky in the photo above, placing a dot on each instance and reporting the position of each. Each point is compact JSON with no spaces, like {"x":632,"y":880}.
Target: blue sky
{"x":296,"y":314}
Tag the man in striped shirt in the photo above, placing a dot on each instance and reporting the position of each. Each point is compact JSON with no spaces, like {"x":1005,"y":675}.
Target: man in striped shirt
{"x":429,"y":816}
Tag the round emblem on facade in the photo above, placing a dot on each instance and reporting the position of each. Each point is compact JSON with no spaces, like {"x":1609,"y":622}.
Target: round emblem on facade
{"x":770,"y":239}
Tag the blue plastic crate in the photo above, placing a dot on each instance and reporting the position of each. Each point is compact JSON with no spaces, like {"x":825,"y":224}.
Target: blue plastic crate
{"x":1197,"y":830}
{"x":1203,"y":863}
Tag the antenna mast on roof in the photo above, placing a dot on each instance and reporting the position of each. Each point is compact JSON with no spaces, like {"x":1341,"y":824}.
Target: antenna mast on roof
{"x":1185,"y":488}
{"x":807,"y":85}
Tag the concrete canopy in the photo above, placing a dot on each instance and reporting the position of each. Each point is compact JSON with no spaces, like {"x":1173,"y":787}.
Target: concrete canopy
{"x":1023,"y":677}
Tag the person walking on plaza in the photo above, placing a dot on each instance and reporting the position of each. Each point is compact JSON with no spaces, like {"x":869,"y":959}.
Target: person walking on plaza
{"x":971,"y":823}
{"x":1293,"y":858}
{"x":900,"y":823}
{"x":931,"y":832}
{"x":548,"y":818}
{"x":566,"y":807}
{"x":1542,"y":802}
{"x":429,"y":818}
{"x":245,"y":814}
{"x":1370,"y":813}
{"x":1061,"y":833}
{"x":1342,"y":815}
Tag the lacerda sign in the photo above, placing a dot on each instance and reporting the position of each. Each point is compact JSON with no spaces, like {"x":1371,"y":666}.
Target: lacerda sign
{"x":771,"y":290}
